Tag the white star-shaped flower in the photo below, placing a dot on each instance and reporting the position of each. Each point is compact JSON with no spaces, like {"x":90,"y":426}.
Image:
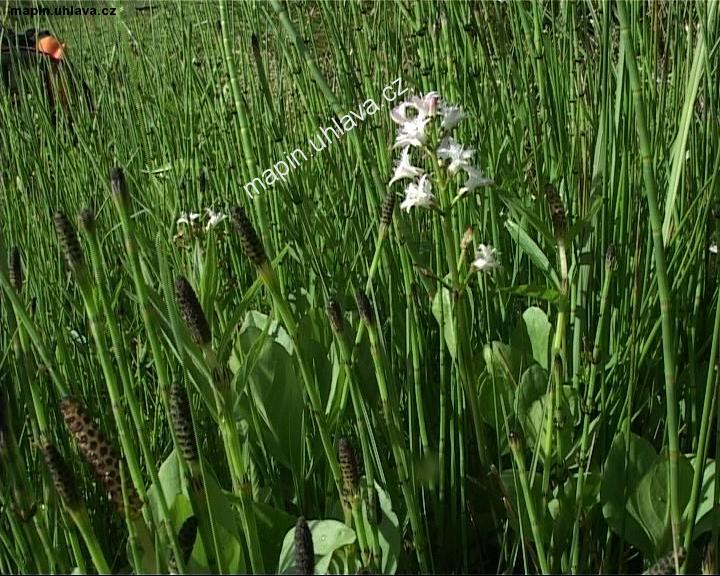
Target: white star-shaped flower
{"x":485,"y":259}
{"x":713,"y":248}
{"x":419,"y":194}
{"x":214,"y":218}
{"x":412,"y":133}
{"x":451,"y":115}
{"x":427,"y":104}
{"x":187,"y":218}
{"x":404,"y":168}
{"x":400,"y":115}
{"x":451,"y":150}
{"x":475,"y":179}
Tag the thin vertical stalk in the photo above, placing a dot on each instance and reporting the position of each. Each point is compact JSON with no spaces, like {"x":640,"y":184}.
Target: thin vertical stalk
{"x":666,"y":312}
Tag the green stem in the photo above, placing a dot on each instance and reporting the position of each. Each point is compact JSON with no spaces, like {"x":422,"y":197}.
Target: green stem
{"x":668,"y":336}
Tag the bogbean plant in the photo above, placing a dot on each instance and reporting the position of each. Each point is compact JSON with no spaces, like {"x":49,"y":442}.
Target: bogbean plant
{"x":391,"y":362}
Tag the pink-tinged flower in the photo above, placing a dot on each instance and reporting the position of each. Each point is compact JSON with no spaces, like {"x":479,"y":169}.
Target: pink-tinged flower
{"x":404,"y":168}
{"x":419,"y":194}
{"x":412,"y":133}
{"x":404,"y":112}
{"x":453,"y":151}
{"x":427,"y":104}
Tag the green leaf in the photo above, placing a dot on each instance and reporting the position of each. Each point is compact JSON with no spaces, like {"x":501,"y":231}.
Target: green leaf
{"x":533,"y":291}
{"x":530,"y":215}
{"x":517,"y":501}
{"x":650,"y":501}
{"x":538,"y":328}
{"x":707,"y":512}
{"x":447,"y":317}
{"x":618,"y":486}
{"x":533,"y":251}
{"x":170,"y":476}
{"x":224,"y":524}
{"x":328,"y":536}
{"x":272,"y":525}
{"x":531,"y":395}
{"x":275,"y":387}
{"x":389,"y":536}
{"x":534,"y":402}
{"x":584,"y":223}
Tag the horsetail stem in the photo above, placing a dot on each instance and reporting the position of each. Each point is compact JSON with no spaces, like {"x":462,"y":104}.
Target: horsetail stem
{"x":663,"y":283}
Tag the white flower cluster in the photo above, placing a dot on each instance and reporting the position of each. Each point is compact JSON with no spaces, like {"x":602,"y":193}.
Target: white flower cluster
{"x":413,"y":118}
{"x":191,"y":218}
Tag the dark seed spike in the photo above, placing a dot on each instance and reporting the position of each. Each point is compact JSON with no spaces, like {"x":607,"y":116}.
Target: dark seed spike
{"x":98,"y":453}
{"x":15,"y":269}
{"x":388,"y":206}
{"x":117,"y":183}
{"x":611,"y":257}
{"x":187,"y":536}
{"x":182,"y":422}
{"x":192,"y":312}
{"x":249,"y":240}
{"x":87,"y":220}
{"x":335,"y":315}
{"x":365,"y":308}
{"x":349,"y":467}
{"x":557,"y":210}
{"x":304,"y":551}
{"x":69,"y":243}
{"x":62,"y":476}
{"x":666,"y":564}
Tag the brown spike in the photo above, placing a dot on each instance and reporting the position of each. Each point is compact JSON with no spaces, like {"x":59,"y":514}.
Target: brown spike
{"x":192,"y":312}
{"x":15,"y":269}
{"x":69,"y":243}
{"x":182,"y":422}
{"x":249,"y":239}
{"x":388,"y":207}
{"x":87,"y":220}
{"x":557,"y":210}
{"x":367,"y":314}
{"x":117,"y":183}
{"x":304,"y":550}
{"x":349,"y":467}
{"x":666,"y":564}
{"x":335,"y":315}
{"x":62,"y":476}
{"x":99,"y":453}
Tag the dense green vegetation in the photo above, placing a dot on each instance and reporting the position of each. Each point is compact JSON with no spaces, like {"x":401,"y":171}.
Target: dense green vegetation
{"x":478,"y":331}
